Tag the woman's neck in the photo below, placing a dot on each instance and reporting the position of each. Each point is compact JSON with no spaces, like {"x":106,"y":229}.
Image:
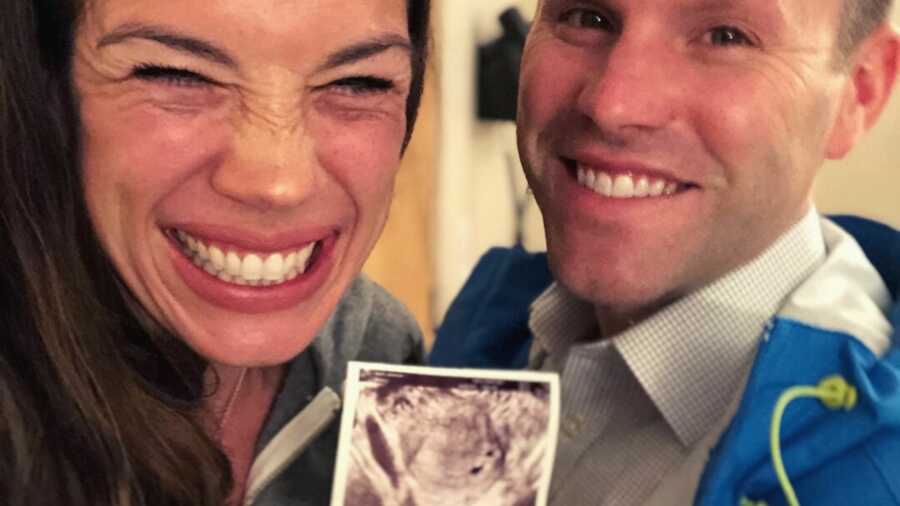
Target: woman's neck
{"x":236,"y":413}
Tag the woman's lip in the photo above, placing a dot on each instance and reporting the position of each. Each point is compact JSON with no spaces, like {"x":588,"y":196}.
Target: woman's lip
{"x":256,"y":299}
{"x":250,"y":240}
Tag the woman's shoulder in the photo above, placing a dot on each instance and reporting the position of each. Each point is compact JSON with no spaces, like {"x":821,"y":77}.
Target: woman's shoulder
{"x":369,"y":324}
{"x":368,"y":305}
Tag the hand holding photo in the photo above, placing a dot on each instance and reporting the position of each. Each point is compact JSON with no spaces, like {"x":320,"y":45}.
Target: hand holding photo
{"x":432,"y":436}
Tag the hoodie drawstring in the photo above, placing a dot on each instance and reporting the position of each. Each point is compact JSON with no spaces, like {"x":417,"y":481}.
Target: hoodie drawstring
{"x":834,"y":392}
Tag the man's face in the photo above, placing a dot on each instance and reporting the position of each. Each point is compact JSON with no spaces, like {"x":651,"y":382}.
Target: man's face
{"x":670,"y":141}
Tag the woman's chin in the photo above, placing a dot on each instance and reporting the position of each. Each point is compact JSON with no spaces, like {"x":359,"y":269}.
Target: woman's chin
{"x":258,"y":348}
{"x":256,"y":325}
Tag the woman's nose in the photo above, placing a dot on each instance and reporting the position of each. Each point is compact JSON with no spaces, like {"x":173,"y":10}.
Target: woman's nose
{"x":271,"y":167}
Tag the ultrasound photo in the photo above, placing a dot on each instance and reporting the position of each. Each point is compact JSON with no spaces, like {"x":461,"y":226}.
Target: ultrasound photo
{"x":420,"y":436}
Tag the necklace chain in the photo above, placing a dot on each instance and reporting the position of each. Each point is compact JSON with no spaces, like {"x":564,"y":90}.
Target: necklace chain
{"x":231,"y":400}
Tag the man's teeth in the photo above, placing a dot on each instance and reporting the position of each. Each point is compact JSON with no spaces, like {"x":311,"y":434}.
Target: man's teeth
{"x":624,"y":186}
{"x":254,"y":269}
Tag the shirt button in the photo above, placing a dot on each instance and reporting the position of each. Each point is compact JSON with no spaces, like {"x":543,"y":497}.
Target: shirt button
{"x":572,"y":425}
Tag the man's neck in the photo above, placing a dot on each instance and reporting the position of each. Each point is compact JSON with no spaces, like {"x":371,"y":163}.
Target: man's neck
{"x":613,"y":321}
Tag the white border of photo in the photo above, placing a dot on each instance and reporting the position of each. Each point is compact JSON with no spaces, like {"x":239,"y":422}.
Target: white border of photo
{"x":351,"y":395}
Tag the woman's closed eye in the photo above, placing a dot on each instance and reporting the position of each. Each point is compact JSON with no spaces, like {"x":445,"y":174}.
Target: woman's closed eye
{"x":358,"y":97}
{"x":173,"y":76}
{"x":363,"y":85}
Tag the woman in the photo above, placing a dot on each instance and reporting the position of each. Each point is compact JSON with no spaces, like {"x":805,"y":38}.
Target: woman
{"x":190,"y":190}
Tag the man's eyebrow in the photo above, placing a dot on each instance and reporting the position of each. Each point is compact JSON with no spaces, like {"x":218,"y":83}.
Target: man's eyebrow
{"x":365,"y":49}
{"x":167,"y":37}
{"x":772,"y":12}
{"x":722,"y":5}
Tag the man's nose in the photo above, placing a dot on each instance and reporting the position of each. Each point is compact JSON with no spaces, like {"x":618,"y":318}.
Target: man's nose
{"x":271,"y":167}
{"x":633,"y":87}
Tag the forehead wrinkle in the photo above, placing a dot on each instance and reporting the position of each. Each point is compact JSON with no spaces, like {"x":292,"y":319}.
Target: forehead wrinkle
{"x":273,"y":101}
{"x":278,"y":133}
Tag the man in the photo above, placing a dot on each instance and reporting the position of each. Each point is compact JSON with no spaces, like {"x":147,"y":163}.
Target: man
{"x":672,"y":147}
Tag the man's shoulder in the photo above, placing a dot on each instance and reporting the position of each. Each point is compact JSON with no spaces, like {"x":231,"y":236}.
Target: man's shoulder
{"x":507,"y":270}
{"x":487,"y":323}
{"x":848,"y":328}
{"x":880,"y":243}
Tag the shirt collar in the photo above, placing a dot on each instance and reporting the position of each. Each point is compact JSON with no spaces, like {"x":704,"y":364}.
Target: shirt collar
{"x":558,"y":319}
{"x":691,"y":356}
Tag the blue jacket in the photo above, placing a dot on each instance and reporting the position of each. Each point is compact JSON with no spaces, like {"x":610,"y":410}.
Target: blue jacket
{"x":832,"y":457}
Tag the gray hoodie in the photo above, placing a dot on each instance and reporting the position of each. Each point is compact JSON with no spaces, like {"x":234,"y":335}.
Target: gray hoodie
{"x":294,"y":459}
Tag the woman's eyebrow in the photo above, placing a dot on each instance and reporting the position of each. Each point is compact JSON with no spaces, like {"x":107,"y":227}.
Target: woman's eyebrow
{"x":167,"y":37}
{"x":366,"y":49}
{"x":206,"y":50}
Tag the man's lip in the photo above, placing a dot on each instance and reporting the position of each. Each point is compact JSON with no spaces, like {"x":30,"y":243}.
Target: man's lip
{"x":253,"y":239}
{"x":615,"y":167}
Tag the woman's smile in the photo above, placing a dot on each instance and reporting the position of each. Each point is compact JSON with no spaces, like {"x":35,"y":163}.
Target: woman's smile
{"x":251,"y":280}
{"x":254,"y":268}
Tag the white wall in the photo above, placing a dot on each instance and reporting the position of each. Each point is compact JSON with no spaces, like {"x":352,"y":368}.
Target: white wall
{"x":474,"y":198}
{"x":474,"y":194}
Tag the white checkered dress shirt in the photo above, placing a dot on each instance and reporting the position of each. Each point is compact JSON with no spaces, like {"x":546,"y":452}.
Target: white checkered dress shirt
{"x":635,"y":404}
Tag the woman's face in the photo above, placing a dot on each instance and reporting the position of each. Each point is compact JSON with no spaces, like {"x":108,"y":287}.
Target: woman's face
{"x":239,"y":158}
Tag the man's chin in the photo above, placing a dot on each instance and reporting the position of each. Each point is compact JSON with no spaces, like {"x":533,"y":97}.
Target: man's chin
{"x":624,"y":294}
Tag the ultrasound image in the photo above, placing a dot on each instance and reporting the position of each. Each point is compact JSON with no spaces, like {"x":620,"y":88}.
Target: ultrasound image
{"x":422,"y":440}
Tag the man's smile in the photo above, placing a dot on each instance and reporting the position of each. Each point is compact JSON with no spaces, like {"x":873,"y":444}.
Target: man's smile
{"x":625,"y":184}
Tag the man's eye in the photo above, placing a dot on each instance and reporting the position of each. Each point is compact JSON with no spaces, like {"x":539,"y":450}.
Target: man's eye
{"x":728,"y":36}
{"x":362,"y":85}
{"x":583,"y":18}
{"x":170,"y":75}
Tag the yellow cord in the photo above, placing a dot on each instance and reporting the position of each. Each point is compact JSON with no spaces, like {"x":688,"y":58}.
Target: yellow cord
{"x":834,"y":392}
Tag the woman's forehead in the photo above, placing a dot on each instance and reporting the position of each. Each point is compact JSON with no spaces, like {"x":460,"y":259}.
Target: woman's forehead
{"x":254,"y":22}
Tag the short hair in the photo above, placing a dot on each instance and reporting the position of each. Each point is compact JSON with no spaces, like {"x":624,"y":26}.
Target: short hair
{"x":859,"y":18}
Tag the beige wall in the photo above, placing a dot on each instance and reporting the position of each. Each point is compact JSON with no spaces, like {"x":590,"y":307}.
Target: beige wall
{"x":868,"y":181}
{"x":402,"y":259}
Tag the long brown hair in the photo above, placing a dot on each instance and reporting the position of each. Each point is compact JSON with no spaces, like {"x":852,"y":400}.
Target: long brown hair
{"x":97,"y":402}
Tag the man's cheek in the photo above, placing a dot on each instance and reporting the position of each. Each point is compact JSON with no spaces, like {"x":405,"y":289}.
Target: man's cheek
{"x":734,"y":133}
{"x":547,"y":85}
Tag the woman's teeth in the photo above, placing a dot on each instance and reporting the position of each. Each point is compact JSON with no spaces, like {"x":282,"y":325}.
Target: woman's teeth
{"x":253,"y":269}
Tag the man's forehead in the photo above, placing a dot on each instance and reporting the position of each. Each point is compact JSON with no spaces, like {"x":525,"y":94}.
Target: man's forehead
{"x":798,"y":15}
{"x":787,"y":8}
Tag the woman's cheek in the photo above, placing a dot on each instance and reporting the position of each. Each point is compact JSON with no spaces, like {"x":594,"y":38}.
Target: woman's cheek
{"x":163,"y":145}
{"x":363,"y":144}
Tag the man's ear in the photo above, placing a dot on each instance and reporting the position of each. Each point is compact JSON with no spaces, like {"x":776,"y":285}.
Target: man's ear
{"x":873,"y":71}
